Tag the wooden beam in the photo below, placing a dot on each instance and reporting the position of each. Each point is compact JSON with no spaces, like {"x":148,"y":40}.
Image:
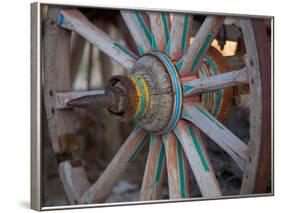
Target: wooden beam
{"x":179,"y":35}
{"x":74,"y":180}
{"x":176,"y":167}
{"x":214,"y":82}
{"x":139,"y":29}
{"x":154,"y":170}
{"x":159,"y":22}
{"x":199,"y":116}
{"x":56,"y":78}
{"x":191,"y":61}
{"x":124,"y":157}
{"x":76,"y":21}
{"x":196,"y":154}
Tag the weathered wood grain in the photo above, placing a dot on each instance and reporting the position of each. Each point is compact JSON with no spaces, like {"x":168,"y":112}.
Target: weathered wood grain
{"x":76,"y":21}
{"x":139,"y":30}
{"x":192,"y":59}
{"x":74,"y":180}
{"x":176,"y":167}
{"x":56,"y":78}
{"x":256,"y":127}
{"x":154,"y":170}
{"x":179,"y":35}
{"x":124,"y":157}
{"x":196,"y":154}
{"x":214,"y":82}
{"x":214,"y":129}
{"x":159,"y":30}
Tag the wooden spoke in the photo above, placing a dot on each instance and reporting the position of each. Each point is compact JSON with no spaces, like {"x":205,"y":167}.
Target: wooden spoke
{"x":139,"y":29}
{"x":76,"y":21}
{"x":192,"y":59}
{"x":196,"y":154}
{"x":214,"y":82}
{"x":230,"y":143}
{"x":154,"y":170}
{"x":179,"y":35}
{"x":74,"y":180}
{"x":124,"y":157}
{"x":176,"y":167}
{"x":159,"y":22}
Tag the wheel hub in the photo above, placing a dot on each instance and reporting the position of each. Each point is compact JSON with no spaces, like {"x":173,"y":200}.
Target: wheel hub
{"x":154,"y":94}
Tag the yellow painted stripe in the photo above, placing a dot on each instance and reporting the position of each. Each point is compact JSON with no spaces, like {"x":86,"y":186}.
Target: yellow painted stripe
{"x":145,"y":92}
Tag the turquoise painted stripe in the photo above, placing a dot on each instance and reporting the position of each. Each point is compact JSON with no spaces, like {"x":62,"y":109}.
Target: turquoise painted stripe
{"x":175,"y":83}
{"x":186,"y":88}
{"x":201,"y":52}
{"x":168,"y":48}
{"x":137,"y":128}
{"x":61,"y":20}
{"x":198,"y":149}
{"x":140,"y":49}
{"x":208,"y":116}
{"x":143,"y":25}
{"x":165,"y":24}
{"x":160,"y":163}
{"x":153,"y":140}
{"x":179,"y":65}
{"x":219,"y":91}
{"x":137,"y":150}
{"x":125,"y":50}
{"x":181,"y":170}
{"x":153,"y":43}
{"x":184,"y":33}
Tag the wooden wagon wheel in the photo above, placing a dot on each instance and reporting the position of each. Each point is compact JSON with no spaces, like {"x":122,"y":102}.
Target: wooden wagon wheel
{"x":162,"y":93}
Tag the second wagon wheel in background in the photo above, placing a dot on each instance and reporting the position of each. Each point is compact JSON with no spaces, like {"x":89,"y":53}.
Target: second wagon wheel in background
{"x":162,"y":93}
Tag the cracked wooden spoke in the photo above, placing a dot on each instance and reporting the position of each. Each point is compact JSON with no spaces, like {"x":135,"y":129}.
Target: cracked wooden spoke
{"x":196,"y":154}
{"x":214,"y":82}
{"x":192,"y":59}
{"x":208,"y":124}
{"x":76,"y":21}
{"x":176,"y":167}
{"x":138,"y":29}
{"x":179,"y":35}
{"x":124,"y":157}
{"x":159,"y":22}
{"x":154,"y":170}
